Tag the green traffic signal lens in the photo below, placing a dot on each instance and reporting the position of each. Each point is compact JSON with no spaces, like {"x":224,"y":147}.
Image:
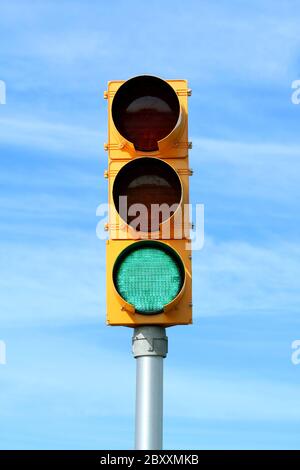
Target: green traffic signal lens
{"x":148,"y":275}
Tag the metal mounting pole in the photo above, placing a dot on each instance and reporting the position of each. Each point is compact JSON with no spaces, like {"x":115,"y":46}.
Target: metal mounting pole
{"x":150,"y":346}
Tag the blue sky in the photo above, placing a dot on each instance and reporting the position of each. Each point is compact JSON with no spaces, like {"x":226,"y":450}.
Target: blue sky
{"x":69,"y":379}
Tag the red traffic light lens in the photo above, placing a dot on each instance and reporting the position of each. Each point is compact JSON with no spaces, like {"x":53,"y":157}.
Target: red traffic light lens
{"x":145,"y":109}
{"x":148,"y":182}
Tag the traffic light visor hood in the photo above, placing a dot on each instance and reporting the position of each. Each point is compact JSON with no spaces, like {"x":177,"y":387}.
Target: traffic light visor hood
{"x":145,"y":110}
{"x":148,"y":276}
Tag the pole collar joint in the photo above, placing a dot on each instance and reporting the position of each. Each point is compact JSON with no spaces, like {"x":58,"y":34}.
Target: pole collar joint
{"x":149,"y":341}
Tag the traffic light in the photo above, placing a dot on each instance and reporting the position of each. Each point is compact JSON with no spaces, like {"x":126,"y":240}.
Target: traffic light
{"x":148,"y":250}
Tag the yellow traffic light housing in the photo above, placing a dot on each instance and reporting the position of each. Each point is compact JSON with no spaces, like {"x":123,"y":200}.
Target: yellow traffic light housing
{"x":171,"y":307}
{"x":148,"y":251}
{"x":147,"y":114}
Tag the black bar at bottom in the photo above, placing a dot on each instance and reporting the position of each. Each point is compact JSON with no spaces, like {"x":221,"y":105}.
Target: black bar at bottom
{"x":133,"y":459}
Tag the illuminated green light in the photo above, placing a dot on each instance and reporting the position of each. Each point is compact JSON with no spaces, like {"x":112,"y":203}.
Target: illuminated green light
{"x":148,"y":276}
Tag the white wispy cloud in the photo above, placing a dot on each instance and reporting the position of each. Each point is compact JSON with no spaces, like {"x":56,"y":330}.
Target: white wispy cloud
{"x":59,"y":382}
{"x":253,"y":169}
{"x":240,"y":278}
{"x":250,"y":43}
{"x":213,"y":396}
{"x":56,"y":281}
{"x":55,"y":275}
{"x":230,"y":398}
{"x":62,"y":281}
{"x":50,"y":136}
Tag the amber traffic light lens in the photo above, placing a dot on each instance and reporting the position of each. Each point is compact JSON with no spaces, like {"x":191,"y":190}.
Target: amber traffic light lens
{"x":145,"y":109}
{"x":143,"y":186}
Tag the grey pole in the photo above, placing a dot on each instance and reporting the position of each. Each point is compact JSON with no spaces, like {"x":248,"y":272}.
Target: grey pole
{"x":150,"y":346}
